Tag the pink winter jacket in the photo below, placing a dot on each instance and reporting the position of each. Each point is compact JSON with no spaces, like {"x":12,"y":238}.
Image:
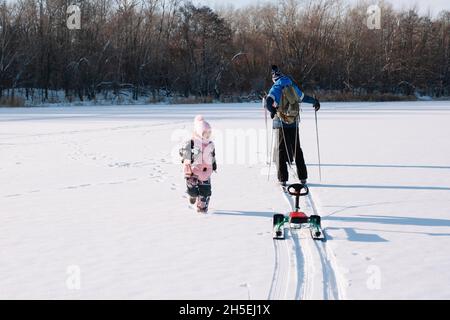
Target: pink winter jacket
{"x":199,"y":152}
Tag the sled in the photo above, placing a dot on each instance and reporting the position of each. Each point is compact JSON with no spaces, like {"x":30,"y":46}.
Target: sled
{"x":297,"y":219}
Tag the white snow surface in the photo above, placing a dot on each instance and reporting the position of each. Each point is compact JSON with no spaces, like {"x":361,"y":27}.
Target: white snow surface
{"x":93,"y":205}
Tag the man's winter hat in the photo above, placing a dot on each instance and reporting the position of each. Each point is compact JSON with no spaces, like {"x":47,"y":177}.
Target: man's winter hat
{"x":201,"y":126}
{"x":276,"y":73}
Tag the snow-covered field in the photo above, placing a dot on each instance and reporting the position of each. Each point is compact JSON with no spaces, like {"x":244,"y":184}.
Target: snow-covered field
{"x":92,"y":205}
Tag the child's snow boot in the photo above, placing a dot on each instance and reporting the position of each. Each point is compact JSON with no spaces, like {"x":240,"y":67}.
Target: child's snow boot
{"x":202,"y":204}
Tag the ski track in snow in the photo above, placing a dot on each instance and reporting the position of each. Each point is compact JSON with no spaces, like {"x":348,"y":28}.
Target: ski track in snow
{"x":281,"y":276}
{"x":333,"y":282}
{"x":304,"y":268}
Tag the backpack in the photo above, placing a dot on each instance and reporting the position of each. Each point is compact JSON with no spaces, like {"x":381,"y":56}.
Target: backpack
{"x":186,"y":152}
{"x":189,"y":151}
{"x":289,"y":108}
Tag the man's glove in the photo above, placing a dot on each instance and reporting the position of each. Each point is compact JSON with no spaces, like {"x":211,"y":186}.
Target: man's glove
{"x":270,"y":108}
{"x":316,"y":105}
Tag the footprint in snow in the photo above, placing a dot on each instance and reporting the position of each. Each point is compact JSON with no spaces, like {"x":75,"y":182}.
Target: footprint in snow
{"x":78,"y":186}
{"x":116,"y":182}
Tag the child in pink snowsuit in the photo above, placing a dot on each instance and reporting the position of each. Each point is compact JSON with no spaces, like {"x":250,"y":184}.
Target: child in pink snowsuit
{"x":198,"y":164}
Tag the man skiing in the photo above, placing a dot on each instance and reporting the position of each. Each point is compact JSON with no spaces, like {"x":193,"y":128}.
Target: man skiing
{"x":283,"y":103}
{"x":199,"y":161}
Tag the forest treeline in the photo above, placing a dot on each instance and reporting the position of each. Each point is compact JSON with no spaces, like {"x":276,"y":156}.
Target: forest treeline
{"x":160,"y":48}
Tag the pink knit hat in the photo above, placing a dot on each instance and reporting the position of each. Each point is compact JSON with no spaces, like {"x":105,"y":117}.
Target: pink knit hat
{"x":201,"y":126}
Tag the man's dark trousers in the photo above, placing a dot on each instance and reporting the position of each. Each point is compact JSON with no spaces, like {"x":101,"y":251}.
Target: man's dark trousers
{"x":293,"y":153}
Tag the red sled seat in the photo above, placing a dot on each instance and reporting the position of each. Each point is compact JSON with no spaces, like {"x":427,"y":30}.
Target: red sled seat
{"x":298,"y":217}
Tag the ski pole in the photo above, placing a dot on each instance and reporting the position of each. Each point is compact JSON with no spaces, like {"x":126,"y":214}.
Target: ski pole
{"x":268,"y":150}
{"x":270,"y":156}
{"x":318,"y":147}
{"x":267,"y":131}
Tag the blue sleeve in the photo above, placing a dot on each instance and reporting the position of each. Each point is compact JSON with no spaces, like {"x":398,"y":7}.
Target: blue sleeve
{"x":275,"y":93}
{"x":309,"y":99}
